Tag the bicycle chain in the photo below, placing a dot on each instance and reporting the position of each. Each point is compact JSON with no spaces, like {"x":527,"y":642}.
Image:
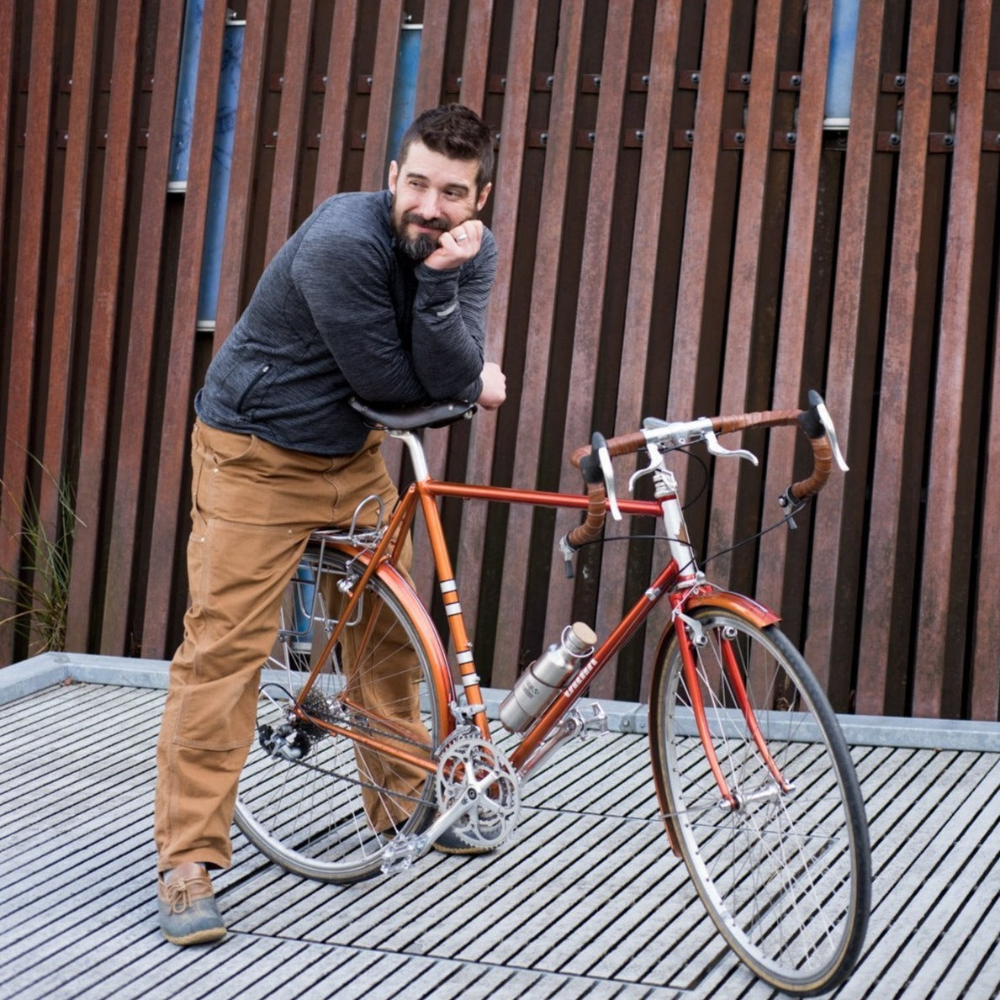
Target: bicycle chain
{"x":340,"y":776}
{"x":313,"y":719}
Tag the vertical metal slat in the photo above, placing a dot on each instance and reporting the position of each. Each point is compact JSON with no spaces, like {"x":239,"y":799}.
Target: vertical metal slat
{"x":295,"y":76}
{"x":890,"y":541}
{"x":506,"y":200}
{"x":700,"y":207}
{"x":839,"y":516}
{"x":944,"y":592}
{"x":175,"y":429}
{"x":776,"y":581}
{"x":746,"y":275}
{"x":477,"y":47}
{"x":339,"y":74}
{"x":380,"y":105}
{"x":28,"y":283}
{"x":558,"y":153}
{"x":126,"y":522}
{"x":433,"y":43}
{"x":373,"y":176}
{"x":985,"y":694}
{"x":6,"y":106}
{"x":476,"y":56}
{"x":699,"y":211}
{"x":103,"y":323}
{"x":639,"y":318}
{"x":68,"y":266}
{"x":593,"y":284}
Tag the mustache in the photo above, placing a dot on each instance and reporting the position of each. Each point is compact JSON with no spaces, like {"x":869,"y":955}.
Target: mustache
{"x":436,"y":222}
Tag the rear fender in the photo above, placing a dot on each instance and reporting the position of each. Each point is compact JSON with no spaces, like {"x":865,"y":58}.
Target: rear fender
{"x":444,"y":691}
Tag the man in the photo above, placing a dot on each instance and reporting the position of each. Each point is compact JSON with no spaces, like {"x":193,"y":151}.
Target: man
{"x":381,"y":295}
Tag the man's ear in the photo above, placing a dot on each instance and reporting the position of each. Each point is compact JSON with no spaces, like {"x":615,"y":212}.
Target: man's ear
{"x":483,"y":195}
{"x":393,"y":175}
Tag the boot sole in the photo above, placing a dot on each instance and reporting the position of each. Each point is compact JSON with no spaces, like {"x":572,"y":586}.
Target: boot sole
{"x":205,"y":936}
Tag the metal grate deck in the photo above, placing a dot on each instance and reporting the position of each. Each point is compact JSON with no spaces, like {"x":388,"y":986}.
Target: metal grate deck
{"x":589,"y":902}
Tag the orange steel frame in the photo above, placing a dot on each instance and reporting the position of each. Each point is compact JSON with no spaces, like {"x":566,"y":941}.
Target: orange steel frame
{"x":381,"y":562}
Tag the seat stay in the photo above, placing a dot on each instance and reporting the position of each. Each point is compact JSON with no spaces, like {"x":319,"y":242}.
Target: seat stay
{"x":399,"y":522}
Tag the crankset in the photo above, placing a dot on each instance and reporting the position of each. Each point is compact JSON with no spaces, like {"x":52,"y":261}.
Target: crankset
{"x":476,"y":777}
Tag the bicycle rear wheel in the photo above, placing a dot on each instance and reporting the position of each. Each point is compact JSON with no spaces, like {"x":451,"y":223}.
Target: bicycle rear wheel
{"x":784,"y":874}
{"x":319,"y":803}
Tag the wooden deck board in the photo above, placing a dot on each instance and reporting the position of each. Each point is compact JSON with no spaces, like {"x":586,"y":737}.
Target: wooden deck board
{"x":587,"y":902}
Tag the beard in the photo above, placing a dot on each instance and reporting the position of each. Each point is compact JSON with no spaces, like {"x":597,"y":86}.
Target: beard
{"x":421,"y":246}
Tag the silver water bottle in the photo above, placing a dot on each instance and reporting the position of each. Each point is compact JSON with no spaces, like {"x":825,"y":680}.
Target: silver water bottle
{"x":538,"y":686}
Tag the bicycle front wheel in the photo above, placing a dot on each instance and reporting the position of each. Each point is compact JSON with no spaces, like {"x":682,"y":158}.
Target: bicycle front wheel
{"x":324,"y":804}
{"x":781,"y":861}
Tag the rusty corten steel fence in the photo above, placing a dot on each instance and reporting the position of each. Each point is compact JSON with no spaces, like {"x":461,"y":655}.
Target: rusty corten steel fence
{"x":680,"y":236}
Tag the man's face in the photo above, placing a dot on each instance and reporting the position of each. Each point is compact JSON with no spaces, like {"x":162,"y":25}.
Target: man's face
{"x":431,"y":194}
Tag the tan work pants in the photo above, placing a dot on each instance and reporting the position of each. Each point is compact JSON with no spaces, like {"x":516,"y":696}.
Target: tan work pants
{"x":253,"y":507}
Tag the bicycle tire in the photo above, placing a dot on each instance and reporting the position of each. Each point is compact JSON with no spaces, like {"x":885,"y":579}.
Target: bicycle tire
{"x":310,"y":815}
{"x":785,"y":876}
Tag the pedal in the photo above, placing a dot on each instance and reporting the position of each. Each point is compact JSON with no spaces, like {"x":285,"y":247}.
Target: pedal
{"x":575,"y":726}
{"x":594,"y":724}
{"x":400,"y":853}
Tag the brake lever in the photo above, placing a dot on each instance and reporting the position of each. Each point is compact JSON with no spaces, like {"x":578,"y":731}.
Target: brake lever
{"x":712,"y":443}
{"x":827,"y":421}
{"x":655,"y":462}
{"x":608,"y":470}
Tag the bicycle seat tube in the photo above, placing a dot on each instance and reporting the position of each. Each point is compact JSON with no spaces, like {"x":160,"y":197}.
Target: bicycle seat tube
{"x":475,"y":705}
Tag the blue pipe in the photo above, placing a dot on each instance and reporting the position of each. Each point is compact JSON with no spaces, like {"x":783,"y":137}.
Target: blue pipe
{"x":222,"y":163}
{"x":840,"y":75}
{"x":404,"y":89}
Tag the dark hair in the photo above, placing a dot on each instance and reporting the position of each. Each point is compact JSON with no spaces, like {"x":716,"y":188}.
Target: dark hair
{"x":455,"y":131}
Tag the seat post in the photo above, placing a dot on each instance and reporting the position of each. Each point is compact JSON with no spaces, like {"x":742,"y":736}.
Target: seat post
{"x":416,"y":450}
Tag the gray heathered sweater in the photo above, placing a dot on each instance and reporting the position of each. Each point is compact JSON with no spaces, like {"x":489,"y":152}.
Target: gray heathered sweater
{"x":340,"y":311}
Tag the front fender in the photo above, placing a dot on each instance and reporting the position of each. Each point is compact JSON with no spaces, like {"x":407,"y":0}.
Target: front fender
{"x":706,"y":595}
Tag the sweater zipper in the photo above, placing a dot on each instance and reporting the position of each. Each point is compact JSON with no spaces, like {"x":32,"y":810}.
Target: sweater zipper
{"x":250,"y":388}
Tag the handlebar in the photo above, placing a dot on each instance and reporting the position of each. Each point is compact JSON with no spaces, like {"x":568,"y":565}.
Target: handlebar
{"x":658,"y":436}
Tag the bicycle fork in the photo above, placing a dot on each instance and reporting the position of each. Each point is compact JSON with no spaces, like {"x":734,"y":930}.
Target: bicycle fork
{"x":689,"y":635}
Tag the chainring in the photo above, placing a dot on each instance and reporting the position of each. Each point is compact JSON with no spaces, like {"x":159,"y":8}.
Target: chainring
{"x":493,"y":819}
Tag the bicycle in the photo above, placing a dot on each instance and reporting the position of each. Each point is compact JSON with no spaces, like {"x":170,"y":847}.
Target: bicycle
{"x":755,"y":784}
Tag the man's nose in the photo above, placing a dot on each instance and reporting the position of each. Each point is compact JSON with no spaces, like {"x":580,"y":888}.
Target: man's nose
{"x":430,"y":203}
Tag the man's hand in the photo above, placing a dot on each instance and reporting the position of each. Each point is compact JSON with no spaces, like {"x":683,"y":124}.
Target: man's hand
{"x":494,"y":387}
{"x":457,"y":246}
